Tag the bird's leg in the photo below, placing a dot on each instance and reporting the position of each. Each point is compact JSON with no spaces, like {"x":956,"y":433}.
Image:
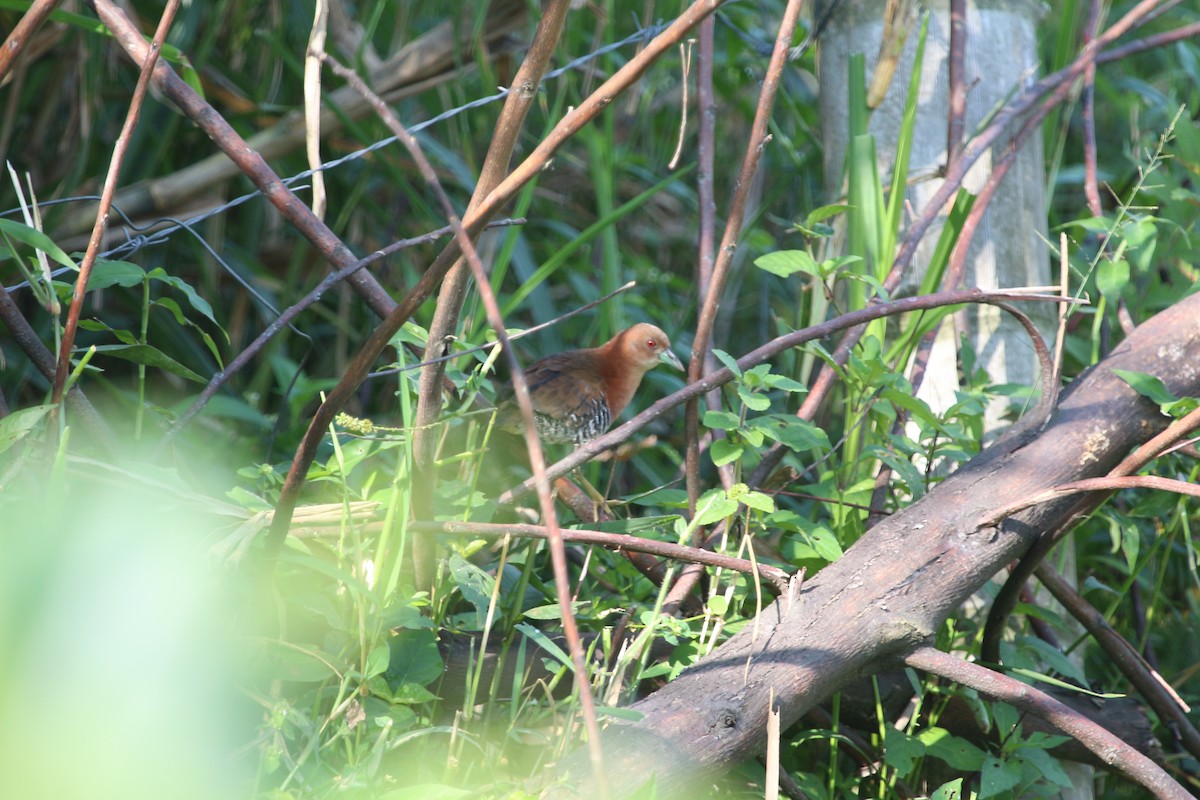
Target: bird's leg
{"x":587,"y":503}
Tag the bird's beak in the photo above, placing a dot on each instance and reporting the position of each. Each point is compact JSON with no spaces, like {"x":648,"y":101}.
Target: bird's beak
{"x":669,"y":357}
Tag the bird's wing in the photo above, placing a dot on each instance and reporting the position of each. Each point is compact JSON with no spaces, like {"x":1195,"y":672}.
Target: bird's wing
{"x":565,"y":384}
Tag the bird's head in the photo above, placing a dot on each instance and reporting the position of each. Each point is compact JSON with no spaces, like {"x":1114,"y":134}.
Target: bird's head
{"x":644,"y":346}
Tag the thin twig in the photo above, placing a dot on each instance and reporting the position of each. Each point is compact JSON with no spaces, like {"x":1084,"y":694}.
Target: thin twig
{"x":454,"y":286}
{"x":1105,"y":484}
{"x":733,"y":228}
{"x":618,"y":542}
{"x":956,"y":124}
{"x":1107,"y":747}
{"x":1158,"y":693}
{"x":23,"y":31}
{"x":1006,"y":599}
{"x":63,"y":368}
{"x":1091,"y":186}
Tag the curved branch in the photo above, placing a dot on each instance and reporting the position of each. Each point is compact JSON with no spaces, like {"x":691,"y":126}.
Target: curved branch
{"x":1107,"y":747}
{"x":618,"y":542}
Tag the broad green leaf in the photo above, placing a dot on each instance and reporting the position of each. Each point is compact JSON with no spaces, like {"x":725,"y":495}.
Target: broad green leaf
{"x":949,"y":791}
{"x":1147,"y":386}
{"x":728,"y":361}
{"x":794,"y":433}
{"x":1046,"y":765}
{"x":475,"y":584}
{"x":377,"y":660}
{"x":958,"y":753}
{"x":724,"y":451}
{"x":115,"y":273}
{"x":414,"y":658}
{"x":125,"y":337}
{"x":151,"y":357}
{"x":825,"y":543}
{"x":412,"y":693}
{"x":714,"y":506}
{"x":998,"y":776}
{"x":721,"y":420}
{"x":900,"y":750}
{"x":17,"y":425}
{"x":37,"y":240}
{"x":759,"y":501}
{"x":1112,"y":276}
{"x":754,"y":400}
{"x":552,"y":611}
{"x":823,"y":213}
{"x":785,"y":383}
{"x":788,"y":262}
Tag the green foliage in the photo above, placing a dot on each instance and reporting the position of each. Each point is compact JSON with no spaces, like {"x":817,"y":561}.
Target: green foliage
{"x":354,"y":682}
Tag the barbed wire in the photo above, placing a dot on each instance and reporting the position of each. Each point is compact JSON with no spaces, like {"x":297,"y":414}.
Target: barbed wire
{"x":138,"y":241}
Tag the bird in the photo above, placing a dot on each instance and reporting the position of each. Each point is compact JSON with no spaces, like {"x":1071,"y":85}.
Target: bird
{"x":578,"y":393}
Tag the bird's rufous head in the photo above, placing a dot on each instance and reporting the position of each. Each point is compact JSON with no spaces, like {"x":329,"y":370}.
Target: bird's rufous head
{"x":644,"y":346}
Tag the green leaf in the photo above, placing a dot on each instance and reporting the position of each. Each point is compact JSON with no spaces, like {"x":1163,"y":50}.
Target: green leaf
{"x":958,"y":753}
{"x":115,"y":273}
{"x":753,"y":400}
{"x":721,"y":421}
{"x":785,"y":383}
{"x":544,"y":642}
{"x":1046,"y":765}
{"x":823,"y":213}
{"x":412,"y":693}
{"x":552,"y":611}
{"x":37,"y":240}
{"x":1091,"y":225}
{"x":825,"y":543}
{"x":377,"y":660}
{"x":1147,"y":386}
{"x":621,"y":713}
{"x":151,"y":357}
{"x":900,"y":750}
{"x":194,"y":300}
{"x":793,"y":433}
{"x":724,"y":451}
{"x":1061,"y":684}
{"x":728,"y":361}
{"x":1112,"y":276}
{"x":998,"y":776}
{"x":475,"y":584}
{"x":17,"y":425}
{"x":125,"y":337}
{"x":714,"y":506}
{"x":759,"y":501}
{"x":788,"y":262}
{"x":949,"y":791}
{"x":303,"y":663}
{"x":414,"y":658}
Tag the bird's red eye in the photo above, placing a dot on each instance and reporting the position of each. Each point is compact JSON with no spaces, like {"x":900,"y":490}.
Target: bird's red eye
{"x":651,"y":344}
